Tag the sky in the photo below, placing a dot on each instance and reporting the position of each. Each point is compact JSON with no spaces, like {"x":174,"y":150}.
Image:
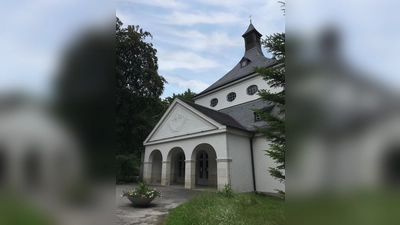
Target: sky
{"x":35,"y":33}
{"x":199,"y":41}
{"x":368,"y":31}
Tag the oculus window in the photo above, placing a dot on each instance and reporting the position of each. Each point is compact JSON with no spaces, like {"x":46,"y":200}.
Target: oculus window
{"x":251,"y":90}
{"x":213,"y":102}
{"x":231,"y":96}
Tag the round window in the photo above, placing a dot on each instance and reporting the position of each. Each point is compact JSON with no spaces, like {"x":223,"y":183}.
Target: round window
{"x":251,"y":90}
{"x":231,"y":96}
{"x":213,"y":102}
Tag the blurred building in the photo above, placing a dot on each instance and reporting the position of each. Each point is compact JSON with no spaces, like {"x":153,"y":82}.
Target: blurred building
{"x":37,"y":153}
{"x":347,"y":126}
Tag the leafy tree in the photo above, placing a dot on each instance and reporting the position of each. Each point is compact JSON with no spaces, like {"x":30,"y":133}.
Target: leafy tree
{"x":84,"y":98}
{"x":138,"y":88}
{"x":275,"y":77}
{"x":187,"y":96}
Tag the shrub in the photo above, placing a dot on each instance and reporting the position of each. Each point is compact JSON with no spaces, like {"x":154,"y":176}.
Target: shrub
{"x":127,"y":168}
{"x":227,"y":190}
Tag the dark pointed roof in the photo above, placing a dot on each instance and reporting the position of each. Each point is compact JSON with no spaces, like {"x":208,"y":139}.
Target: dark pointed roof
{"x":244,"y":114}
{"x":219,"y":117}
{"x":251,"y":29}
{"x":255,"y":59}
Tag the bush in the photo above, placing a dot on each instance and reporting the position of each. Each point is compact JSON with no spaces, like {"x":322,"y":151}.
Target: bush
{"x":227,"y":191}
{"x":127,"y":168}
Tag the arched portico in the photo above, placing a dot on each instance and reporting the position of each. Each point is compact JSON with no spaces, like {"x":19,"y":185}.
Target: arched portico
{"x":177,"y":166}
{"x":153,"y":167}
{"x":201,"y":168}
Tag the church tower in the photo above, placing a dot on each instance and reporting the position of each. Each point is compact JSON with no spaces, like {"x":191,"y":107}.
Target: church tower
{"x":252,"y":39}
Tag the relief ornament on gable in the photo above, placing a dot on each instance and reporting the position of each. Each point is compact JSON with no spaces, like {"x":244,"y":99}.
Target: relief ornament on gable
{"x":177,"y":122}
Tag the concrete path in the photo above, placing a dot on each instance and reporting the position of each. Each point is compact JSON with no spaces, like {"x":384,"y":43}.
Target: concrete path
{"x":172,"y":196}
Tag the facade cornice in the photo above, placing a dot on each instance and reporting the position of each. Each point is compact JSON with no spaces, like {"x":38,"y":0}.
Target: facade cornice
{"x":250,"y":76}
{"x":188,"y":136}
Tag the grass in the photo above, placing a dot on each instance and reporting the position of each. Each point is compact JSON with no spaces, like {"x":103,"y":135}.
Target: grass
{"x":346,"y":209}
{"x":14,"y":211}
{"x":230,"y":209}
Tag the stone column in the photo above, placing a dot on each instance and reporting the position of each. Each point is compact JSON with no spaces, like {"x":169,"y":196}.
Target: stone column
{"x":142,"y":152}
{"x":165,"y":173}
{"x":223,"y":172}
{"x":190,"y":172}
{"x":147,"y":167}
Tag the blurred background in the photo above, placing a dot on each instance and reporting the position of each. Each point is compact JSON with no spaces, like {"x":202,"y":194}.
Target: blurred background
{"x":57,"y":112}
{"x":343,"y":118}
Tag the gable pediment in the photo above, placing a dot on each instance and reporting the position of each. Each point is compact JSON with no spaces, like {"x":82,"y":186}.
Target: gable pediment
{"x":181,"y":120}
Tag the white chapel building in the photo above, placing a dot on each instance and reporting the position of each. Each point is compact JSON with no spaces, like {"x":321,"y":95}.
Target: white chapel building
{"x":212,"y":142}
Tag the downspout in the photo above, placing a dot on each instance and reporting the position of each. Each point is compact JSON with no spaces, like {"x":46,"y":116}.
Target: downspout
{"x":252,"y":161}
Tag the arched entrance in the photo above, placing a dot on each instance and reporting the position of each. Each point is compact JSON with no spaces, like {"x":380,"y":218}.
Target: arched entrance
{"x":391,"y":167}
{"x":177,"y":169}
{"x":156,"y":166}
{"x":205,"y":165}
{"x":180,"y":168}
{"x":202,"y":168}
{"x":32,"y":169}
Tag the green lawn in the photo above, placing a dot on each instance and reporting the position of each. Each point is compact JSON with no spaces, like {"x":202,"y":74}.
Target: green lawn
{"x":369,"y":208}
{"x":14,"y":211}
{"x":219,"y":208}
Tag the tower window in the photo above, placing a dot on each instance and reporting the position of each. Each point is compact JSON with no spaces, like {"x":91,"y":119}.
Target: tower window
{"x":213,"y":102}
{"x":231,"y":96}
{"x":249,"y":40}
{"x":251,"y":90}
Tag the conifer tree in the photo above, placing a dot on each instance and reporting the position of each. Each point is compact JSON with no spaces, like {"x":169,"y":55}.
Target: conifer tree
{"x":275,"y":130}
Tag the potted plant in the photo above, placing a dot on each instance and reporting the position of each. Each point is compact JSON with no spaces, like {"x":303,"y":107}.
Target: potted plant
{"x":142,"y":195}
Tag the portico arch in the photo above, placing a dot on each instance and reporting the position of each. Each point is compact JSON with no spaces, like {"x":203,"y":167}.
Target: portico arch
{"x":155,"y":167}
{"x":177,"y":168}
{"x":205,"y":166}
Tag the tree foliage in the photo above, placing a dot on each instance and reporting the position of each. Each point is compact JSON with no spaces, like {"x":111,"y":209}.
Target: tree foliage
{"x":138,"y":88}
{"x":187,"y":96}
{"x":275,"y":77}
{"x":84,"y":98}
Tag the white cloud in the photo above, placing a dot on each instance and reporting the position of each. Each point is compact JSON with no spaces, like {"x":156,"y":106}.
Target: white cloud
{"x":197,"y":41}
{"x":233,"y":3}
{"x":194,"y":85}
{"x":168,"y":4}
{"x":191,"y":18}
{"x":170,"y":60}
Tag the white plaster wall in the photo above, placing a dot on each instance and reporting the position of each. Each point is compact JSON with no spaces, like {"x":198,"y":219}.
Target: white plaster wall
{"x":241,"y":172}
{"x":239,"y":88}
{"x":264,"y":181}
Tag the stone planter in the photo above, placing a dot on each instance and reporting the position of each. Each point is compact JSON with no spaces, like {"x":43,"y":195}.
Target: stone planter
{"x":141,"y":202}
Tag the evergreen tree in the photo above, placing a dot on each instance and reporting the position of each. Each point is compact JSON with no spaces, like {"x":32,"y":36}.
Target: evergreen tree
{"x":275,"y":77}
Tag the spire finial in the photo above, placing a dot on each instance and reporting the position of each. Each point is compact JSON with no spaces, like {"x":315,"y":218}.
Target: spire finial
{"x":250,"y":18}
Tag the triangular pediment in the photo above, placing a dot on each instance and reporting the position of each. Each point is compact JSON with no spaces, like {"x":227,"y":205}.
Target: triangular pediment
{"x":181,"y":120}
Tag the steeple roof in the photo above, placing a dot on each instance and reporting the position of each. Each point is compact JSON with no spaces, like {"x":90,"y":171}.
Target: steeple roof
{"x":253,"y":57}
{"x":251,"y":29}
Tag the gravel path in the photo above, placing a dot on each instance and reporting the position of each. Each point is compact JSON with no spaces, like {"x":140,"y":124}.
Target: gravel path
{"x":172,"y":196}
